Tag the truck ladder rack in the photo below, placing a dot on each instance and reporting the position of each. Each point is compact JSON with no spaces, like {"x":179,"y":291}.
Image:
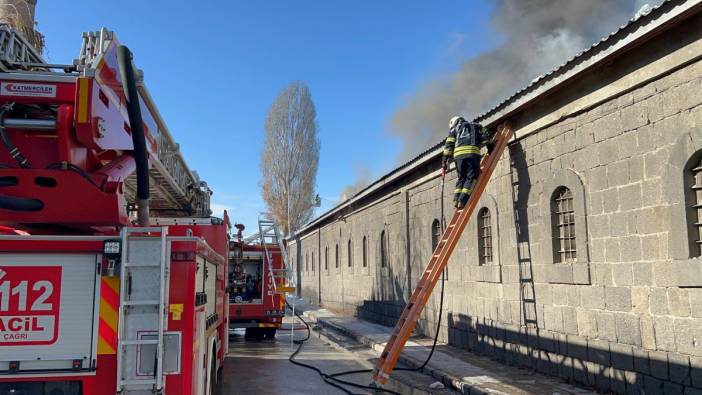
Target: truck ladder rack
{"x":438,"y":261}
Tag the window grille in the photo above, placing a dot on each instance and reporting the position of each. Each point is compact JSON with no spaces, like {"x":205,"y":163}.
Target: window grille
{"x":383,"y":250}
{"x":435,"y":234}
{"x":484,"y":236}
{"x":697,"y":207}
{"x":564,"y":213}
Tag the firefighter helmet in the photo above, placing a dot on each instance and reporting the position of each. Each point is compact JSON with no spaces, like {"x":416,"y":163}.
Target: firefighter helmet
{"x":454,"y":121}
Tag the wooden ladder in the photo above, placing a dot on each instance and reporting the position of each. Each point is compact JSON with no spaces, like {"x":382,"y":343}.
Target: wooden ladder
{"x":438,"y":261}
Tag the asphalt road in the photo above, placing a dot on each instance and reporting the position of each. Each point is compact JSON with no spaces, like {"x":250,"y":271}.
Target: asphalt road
{"x":262,"y":367}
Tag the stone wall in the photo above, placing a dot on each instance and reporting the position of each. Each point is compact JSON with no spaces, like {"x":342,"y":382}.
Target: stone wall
{"x":626,"y":314}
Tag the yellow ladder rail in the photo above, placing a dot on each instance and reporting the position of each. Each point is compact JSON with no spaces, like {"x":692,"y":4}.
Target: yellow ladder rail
{"x":438,"y":261}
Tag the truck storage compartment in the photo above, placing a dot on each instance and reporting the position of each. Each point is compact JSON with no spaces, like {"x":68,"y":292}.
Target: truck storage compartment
{"x":48,"y":312}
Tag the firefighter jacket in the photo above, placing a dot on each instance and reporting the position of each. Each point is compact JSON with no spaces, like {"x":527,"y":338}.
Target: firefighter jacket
{"x":466,"y":138}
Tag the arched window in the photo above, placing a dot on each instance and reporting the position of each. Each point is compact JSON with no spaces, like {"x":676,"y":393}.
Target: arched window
{"x":336,"y":257}
{"x":312,"y":261}
{"x":349,"y":251}
{"x":383,"y":250}
{"x":484,"y":236}
{"x":435,"y":234}
{"x":365,"y":253}
{"x":326,"y":258}
{"x":563,"y":221}
{"x":695,"y":207}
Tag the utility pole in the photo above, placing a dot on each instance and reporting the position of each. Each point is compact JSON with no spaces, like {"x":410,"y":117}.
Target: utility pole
{"x":19,"y":14}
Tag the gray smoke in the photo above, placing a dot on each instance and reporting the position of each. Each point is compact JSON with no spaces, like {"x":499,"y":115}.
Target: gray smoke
{"x":363,"y":179}
{"x":538,"y":36}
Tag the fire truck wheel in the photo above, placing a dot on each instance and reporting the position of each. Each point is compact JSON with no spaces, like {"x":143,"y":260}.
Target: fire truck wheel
{"x":254,"y":333}
{"x":213,"y":372}
{"x":269,"y":333}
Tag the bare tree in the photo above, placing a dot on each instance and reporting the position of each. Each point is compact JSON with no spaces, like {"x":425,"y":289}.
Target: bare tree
{"x":20,"y":15}
{"x":290,"y":157}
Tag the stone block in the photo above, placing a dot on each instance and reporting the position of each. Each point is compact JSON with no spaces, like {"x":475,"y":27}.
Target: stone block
{"x":587,"y":323}
{"x":606,"y":327}
{"x":651,"y":193}
{"x":664,"y":330}
{"x":628,"y":329}
{"x":618,"y":298}
{"x":612,"y":251}
{"x":632,"y":197}
{"x":642,"y":362}
{"x":659,"y":364}
{"x":679,"y":302}
{"x":622,"y":274}
{"x":648,"y":337}
{"x":659,"y":301}
{"x":622,"y":356}
{"x":593,"y":297}
{"x":640,"y":300}
{"x":696,"y":371}
{"x":570,"y":321}
{"x":598,"y":352}
{"x":610,"y":200}
{"x":618,"y":222}
{"x":631,"y":248}
{"x":617,"y":173}
{"x":672,"y":389}
{"x":688,"y":336}
{"x":634,"y":116}
{"x":679,"y":368}
{"x":652,"y":385}
{"x":643,"y":273}
{"x":577,"y":347}
{"x":696,"y":302}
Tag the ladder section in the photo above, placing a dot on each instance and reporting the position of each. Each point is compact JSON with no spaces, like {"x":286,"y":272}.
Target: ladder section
{"x":264,"y":227}
{"x":144,"y":275}
{"x":438,"y":261}
{"x":269,"y":234}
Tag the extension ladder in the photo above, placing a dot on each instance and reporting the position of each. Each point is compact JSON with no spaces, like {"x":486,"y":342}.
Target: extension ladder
{"x":144,"y":274}
{"x":438,"y":261}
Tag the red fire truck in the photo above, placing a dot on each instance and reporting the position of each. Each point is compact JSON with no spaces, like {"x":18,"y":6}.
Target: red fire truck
{"x":258,"y":278}
{"x":113,"y":275}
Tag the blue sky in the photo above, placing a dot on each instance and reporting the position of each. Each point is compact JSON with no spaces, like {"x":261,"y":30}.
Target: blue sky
{"x":214,"y":68}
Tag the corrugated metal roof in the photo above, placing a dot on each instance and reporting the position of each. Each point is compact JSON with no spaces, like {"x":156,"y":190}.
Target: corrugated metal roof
{"x":643,"y":16}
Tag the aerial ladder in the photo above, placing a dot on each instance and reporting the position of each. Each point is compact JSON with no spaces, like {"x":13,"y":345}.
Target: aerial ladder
{"x":437,"y":263}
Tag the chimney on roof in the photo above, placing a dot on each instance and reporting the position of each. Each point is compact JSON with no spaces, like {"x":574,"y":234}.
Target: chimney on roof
{"x":20,"y":15}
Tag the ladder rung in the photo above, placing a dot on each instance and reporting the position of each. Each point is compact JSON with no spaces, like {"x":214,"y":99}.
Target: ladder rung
{"x":137,"y":342}
{"x":141,"y":303}
{"x":141,"y":264}
{"x":133,"y":383}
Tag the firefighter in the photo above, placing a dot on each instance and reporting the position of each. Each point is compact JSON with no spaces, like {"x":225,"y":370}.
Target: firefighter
{"x":463,"y":146}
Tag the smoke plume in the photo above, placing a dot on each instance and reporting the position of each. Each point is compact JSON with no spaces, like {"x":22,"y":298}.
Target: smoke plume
{"x":537,"y":36}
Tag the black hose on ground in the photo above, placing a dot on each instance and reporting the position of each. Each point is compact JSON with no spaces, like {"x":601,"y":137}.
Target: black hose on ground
{"x":141,"y":156}
{"x":330,"y":378}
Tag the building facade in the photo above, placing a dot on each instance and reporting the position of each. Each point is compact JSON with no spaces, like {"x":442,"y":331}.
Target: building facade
{"x":582,"y":259}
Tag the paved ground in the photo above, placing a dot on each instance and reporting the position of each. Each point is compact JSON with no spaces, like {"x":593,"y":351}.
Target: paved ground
{"x":458,"y":369}
{"x":262,"y":367}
